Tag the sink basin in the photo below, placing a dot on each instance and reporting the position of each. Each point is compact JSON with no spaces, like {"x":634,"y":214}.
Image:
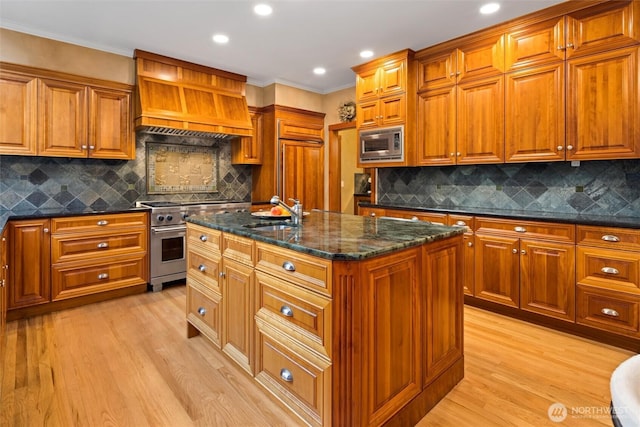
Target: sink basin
{"x":269,"y":226}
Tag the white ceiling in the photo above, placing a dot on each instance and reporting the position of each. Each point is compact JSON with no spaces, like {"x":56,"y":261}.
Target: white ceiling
{"x":283,"y":48}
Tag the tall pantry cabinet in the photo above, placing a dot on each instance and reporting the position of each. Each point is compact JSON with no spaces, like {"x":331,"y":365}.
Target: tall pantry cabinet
{"x":292,"y":157}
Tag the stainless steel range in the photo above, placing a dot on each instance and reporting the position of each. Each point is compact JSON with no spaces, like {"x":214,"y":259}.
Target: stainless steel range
{"x":167,"y":242}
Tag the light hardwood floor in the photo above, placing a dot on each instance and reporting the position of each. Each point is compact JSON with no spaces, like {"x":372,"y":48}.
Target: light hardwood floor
{"x":127,"y":362}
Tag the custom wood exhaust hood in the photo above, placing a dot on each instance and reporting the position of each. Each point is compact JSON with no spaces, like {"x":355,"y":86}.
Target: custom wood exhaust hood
{"x":175,"y":97}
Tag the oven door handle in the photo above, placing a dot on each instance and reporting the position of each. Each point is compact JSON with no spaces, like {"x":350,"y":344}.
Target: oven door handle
{"x":161,"y":230}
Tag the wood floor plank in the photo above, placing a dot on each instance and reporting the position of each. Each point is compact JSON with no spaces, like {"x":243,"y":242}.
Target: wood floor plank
{"x":128,"y":362}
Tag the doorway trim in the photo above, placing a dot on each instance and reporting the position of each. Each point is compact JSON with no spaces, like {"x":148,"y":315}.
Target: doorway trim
{"x":334,"y":163}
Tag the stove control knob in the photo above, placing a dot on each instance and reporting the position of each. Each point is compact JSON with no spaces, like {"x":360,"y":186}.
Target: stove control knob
{"x":169,"y":217}
{"x":160,"y":218}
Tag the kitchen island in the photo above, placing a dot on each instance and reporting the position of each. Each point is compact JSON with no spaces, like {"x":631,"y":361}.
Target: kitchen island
{"x":348,"y":320}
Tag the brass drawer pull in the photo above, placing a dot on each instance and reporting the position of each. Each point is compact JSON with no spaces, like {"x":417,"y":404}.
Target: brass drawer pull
{"x":288,"y":265}
{"x":103,"y":245}
{"x":286,"y":375}
{"x":202,"y":268}
{"x":610,"y":312}
{"x":610,"y":238}
{"x":519,"y":229}
{"x":203,"y":238}
{"x":102,"y":276}
{"x":202,"y":311}
{"x":609,"y":270}
{"x":286,"y":311}
{"x":102,"y":222}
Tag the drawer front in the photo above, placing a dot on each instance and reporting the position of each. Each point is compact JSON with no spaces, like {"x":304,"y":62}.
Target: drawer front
{"x":612,"y":311}
{"x":529,"y":229}
{"x":204,"y":237}
{"x":609,"y":237}
{"x":203,"y":311}
{"x":300,"y":382}
{"x":77,"y":224}
{"x":297,"y":312}
{"x":609,"y":268}
{"x":310,"y":272}
{"x":431,"y":217}
{"x":69,"y":247}
{"x":238,"y":248}
{"x":204,"y":268}
{"x":71,"y":280}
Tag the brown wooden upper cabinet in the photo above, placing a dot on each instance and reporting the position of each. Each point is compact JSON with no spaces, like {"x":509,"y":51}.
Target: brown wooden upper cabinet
{"x":461,"y":102}
{"x":58,"y":115}
{"x":247,"y":150}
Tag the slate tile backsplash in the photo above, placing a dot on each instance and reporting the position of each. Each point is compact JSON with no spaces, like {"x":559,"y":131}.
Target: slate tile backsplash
{"x":52,"y":182}
{"x":594,"y":187}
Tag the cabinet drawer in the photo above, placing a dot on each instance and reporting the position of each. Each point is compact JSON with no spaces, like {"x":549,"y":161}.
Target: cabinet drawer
{"x":238,"y":248}
{"x":296,"y":377}
{"x":529,"y":229}
{"x":204,"y":237}
{"x":609,"y":310}
{"x":431,"y":217}
{"x":302,"y":314}
{"x":609,"y":237}
{"x":204,"y":268}
{"x":77,"y":224}
{"x":73,"y":280}
{"x":69,"y":247}
{"x":307,"y":271}
{"x":466,"y":221}
{"x":203,"y":311}
{"x":609,"y":268}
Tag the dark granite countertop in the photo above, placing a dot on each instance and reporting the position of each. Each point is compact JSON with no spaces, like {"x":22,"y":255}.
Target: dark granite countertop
{"x":60,"y":212}
{"x":332,"y":235}
{"x":572,"y":218}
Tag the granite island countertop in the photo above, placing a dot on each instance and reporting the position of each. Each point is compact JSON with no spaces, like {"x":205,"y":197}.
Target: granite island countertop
{"x":331,"y":235}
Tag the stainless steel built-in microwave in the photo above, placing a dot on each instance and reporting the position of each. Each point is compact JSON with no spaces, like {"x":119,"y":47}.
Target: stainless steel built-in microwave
{"x":382,"y":145}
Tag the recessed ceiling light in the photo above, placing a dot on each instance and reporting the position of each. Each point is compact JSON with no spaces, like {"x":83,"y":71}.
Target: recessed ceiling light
{"x":366,"y":54}
{"x":220,"y":38}
{"x":262,"y":9}
{"x":319,"y":71}
{"x":489,"y":8}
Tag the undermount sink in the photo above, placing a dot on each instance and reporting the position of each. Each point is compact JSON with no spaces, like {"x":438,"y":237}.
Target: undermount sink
{"x":269,"y":226}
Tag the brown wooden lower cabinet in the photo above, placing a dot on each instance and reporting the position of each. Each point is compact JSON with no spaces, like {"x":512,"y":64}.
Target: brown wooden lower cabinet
{"x":52,"y":260}
{"x":370,"y":342}
{"x":587,"y":277}
{"x":3,"y":287}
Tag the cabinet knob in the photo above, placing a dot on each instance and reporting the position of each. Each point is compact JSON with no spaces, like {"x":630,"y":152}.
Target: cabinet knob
{"x":560,"y":148}
{"x":523,"y":252}
{"x":288,"y":265}
{"x":569,"y":45}
{"x":202,"y":268}
{"x":470,"y":244}
{"x":610,"y":238}
{"x":92,"y":147}
{"x":84,"y":147}
{"x":458,"y":154}
{"x":461,"y":223}
{"x":610,"y":312}
{"x":610,"y":270}
{"x":569,"y":147}
{"x":286,"y":311}
{"x":45,"y":230}
{"x":103,"y":245}
{"x":222,"y":274}
{"x":451,"y":154}
{"x":203,"y":238}
{"x":519,"y":229}
{"x":202,"y":311}
{"x":103,"y":276}
{"x":560,"y":47}
{"x":102,"y":222}
{"x":286,"y":375}
{"x":372,"y":214}
{"x":515,"y":251}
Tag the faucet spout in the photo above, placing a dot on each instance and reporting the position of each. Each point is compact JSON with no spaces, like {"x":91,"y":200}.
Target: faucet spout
{"x":295,"y":211}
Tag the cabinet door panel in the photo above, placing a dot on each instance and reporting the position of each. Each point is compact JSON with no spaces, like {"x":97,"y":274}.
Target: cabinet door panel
{"x":535,"y":44}
{"x":393,"y":110}
{"x":18,"y":114}
{"x":367,"y":84}
{"x":393,"y":78}
{"x":367,"y":114}
{"x":110,"y":132}
{"x":603,"y":112}
{"x":62,"y":119}
{"x":481,"y":58}
{"x":497,"y":269}
{"x":437,"y":70}
{"x":302,"y":173}
{"x":547,"y":279}
{"x":481,"y":121}
{"x":535,"y":118}
{"x":612,"y":311}
{"x":437,"y":127}
{"x":237,"y":312}
{"x":29,"y":276}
